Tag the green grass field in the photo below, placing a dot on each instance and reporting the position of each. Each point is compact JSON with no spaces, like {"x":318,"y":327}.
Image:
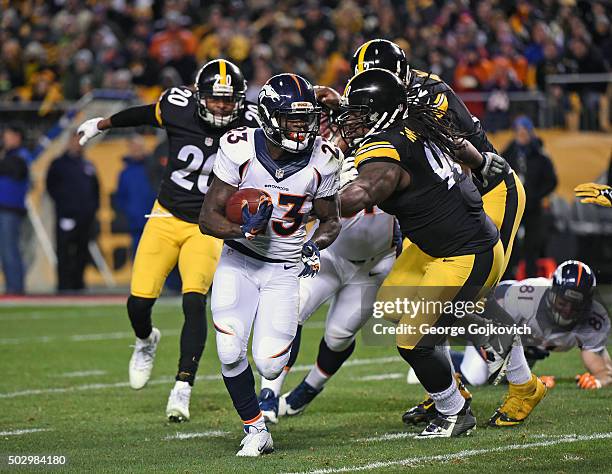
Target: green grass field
{"x":64,"y":373}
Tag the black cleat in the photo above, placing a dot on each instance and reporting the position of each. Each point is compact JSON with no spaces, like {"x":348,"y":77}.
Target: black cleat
{"x":446,"y":426}
{"x":424,"y":412}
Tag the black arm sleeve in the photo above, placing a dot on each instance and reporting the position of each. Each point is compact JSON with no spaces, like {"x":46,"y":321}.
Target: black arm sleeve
{"x":464,"y":121}
{"x":135,"y":116}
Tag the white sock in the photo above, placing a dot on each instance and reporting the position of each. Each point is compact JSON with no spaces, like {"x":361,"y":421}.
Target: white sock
{"x":316,"y":378}
{"x":275,"y":385}
{"x":181,"y":384}
{"x":518,"y":371}
{"x":259,"y":423}
{"x":449,"y":401}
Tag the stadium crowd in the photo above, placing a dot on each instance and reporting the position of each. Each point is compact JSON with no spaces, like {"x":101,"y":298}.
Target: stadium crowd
{"x":55,"y":50}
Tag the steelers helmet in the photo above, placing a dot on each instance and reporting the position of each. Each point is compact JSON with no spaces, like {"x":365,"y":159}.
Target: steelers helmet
{"x":571,"y":294}
{"x":220,"y":79}
{"x":383,"y":54}
{"x":372,"y":101}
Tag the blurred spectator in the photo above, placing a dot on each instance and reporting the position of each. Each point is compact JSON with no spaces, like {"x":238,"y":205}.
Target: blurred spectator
{"x":526,"y":156}
{"x":73,"y":185}
{"x":163,"y":46}
{"x":135,"y":192}
{"x":82,"y":68}
{"x":14,"y":161}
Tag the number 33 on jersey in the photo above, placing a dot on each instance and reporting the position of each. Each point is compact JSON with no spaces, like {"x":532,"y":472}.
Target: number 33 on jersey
{"x":292,"y":182}
{"x":192,"y":146}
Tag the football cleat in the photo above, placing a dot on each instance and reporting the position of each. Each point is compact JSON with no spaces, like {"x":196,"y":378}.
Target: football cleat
{"x":268,"y":402}
{"x":446,"y":426}
{"x":497,"y":359}
{"x":519,"y":403}
{"x":296,"y":401}
{"x":256,"y":442}
{"x":177,"y":409}
{"x":426,"y":411}
{"x":141,"y":363}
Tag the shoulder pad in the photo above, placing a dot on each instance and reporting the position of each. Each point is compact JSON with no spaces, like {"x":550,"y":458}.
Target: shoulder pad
{"x":376,"y":146}
{"x":237,"y":144}
{"x":327,"y":156}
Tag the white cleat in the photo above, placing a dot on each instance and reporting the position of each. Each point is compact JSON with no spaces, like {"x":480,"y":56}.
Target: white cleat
{"x":256,"y":442}
{"x":177,"y":409}
{"x":141,"y":363}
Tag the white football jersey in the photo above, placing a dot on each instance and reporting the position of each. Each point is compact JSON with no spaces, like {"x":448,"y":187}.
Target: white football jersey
{"x":293,"y":183}
{"x":526,"y":302}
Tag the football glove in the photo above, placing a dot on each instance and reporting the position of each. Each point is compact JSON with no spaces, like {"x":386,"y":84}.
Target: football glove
{"x":89,"y":129}
{"x":348,"y":173}
{"x":593,"y":193}
{"x":311,"y":258}
{"x":493,"y":166}
{"x":587,"y":381}
{"x":254,"y":224}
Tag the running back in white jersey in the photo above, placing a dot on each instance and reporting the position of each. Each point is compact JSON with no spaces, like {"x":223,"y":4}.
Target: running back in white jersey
{"x":526,"y":302}
{"x":243,"y":161}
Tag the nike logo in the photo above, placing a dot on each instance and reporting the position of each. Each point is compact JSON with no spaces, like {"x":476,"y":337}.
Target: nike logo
{"x":287,"y":267}
{"x":373,"y":274}
{"x":447,"y":260}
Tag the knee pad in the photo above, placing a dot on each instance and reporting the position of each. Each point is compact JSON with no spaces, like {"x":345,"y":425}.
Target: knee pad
{"x":338,"y":339}
{"x":230,"y":345}
{"x":270,"y":368}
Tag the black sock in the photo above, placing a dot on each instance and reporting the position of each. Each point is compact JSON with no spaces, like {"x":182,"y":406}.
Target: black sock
{"x":295,"y":347}
{"x":193,"y":336}
{"x":330,"y":361}
{"x":139,"y":312}
{"x":242,"y":390}
{"x":430,"y":366}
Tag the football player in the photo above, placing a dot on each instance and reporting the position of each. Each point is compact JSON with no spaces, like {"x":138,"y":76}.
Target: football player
{"x":194,"y":119}
{"x":561,"y":314}
{"x":256,"y":283}
{"x":408,"y":167}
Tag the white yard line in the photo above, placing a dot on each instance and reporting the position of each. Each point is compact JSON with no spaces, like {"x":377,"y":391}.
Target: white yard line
{"x":373,"y":378}
{"x":388,"y":436}
{"x":203,"y":434}
{"x":100,"y":386}
{"x":22,"y":432}
{"x":443,"y":458}
{"x":108,"y":336}
{"x":81,"y":373}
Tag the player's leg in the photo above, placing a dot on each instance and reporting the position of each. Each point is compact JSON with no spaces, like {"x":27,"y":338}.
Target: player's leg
{"x":349,"y":311}
{"x":198,"y":257}
{"x":313,"y":293}
{"x":454,"y":279}
{"x":156,"y":255}
{"x":235,"y":297}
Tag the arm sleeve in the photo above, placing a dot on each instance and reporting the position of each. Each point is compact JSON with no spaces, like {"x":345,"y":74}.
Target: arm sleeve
{"x":468,"y":124}
{"x":225,"y":169}
{"x":135,"y":116}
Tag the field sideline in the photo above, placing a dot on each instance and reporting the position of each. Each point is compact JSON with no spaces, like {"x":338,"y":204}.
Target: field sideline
{"x":64,"y":391}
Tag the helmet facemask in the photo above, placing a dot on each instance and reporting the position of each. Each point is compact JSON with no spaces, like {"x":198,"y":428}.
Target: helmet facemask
{"x":221,"y":106}
{"x":295,"y":129}
{"x":567,"y":306}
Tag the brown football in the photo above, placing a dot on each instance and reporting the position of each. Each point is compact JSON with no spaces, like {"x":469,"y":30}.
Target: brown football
{"x":233,"y":206}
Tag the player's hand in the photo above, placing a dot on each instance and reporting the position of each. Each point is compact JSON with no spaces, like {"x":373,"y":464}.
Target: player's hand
{"x":311,"y":258}
{"x":348,"y":173}
{"x":593,"y":193}
{"x":398,"y":238}
{"x":587,"y":381}
{"x":493,"y":166}
{"x":255,"y":224}
{"x":327,"y":96}
{"x":89,"y":129}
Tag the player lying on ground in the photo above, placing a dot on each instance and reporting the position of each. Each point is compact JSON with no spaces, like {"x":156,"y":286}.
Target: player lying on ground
{"x":256,"y":283}
{"x":408,"y":167}
{"x":562,"y":315}
{"x":194,"y":122}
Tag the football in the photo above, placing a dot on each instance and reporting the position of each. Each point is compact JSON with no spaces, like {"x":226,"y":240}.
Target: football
{"x":233,"y":207}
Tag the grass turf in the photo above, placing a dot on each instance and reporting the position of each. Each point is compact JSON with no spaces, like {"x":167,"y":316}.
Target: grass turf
{"x":101,"y":425}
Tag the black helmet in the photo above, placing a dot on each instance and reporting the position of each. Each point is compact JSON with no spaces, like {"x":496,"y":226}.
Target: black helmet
{"x":571,"y":294}
{"x":223,"y":80}
{"x":372,"y":101}
{"x":382,"y":54}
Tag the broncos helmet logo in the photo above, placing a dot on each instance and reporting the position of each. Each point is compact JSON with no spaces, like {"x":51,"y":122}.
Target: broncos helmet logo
{"x":268,"y":91}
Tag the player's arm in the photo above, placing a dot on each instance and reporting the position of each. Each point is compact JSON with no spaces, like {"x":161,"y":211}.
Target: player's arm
{"x":599,"y":367}
{"x":487,"y":164}
{"x":327,"y":210}
{"x":131,"y":117}
{"x":212,"y":218}
{"x":375,"y":183}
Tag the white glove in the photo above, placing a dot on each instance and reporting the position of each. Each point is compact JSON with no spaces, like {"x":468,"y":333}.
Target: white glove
{"x":89,"y":129}
{"x":494,"y":165}
{"x":348,"y":173}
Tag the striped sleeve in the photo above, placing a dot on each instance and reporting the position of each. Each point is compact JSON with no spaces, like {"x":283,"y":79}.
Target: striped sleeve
{"x":381,"y":149}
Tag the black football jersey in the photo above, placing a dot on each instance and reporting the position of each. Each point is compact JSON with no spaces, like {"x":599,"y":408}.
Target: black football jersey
{"x":431,"y":89}
{"x":192,"y":146}
{"x":441,"y":211}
